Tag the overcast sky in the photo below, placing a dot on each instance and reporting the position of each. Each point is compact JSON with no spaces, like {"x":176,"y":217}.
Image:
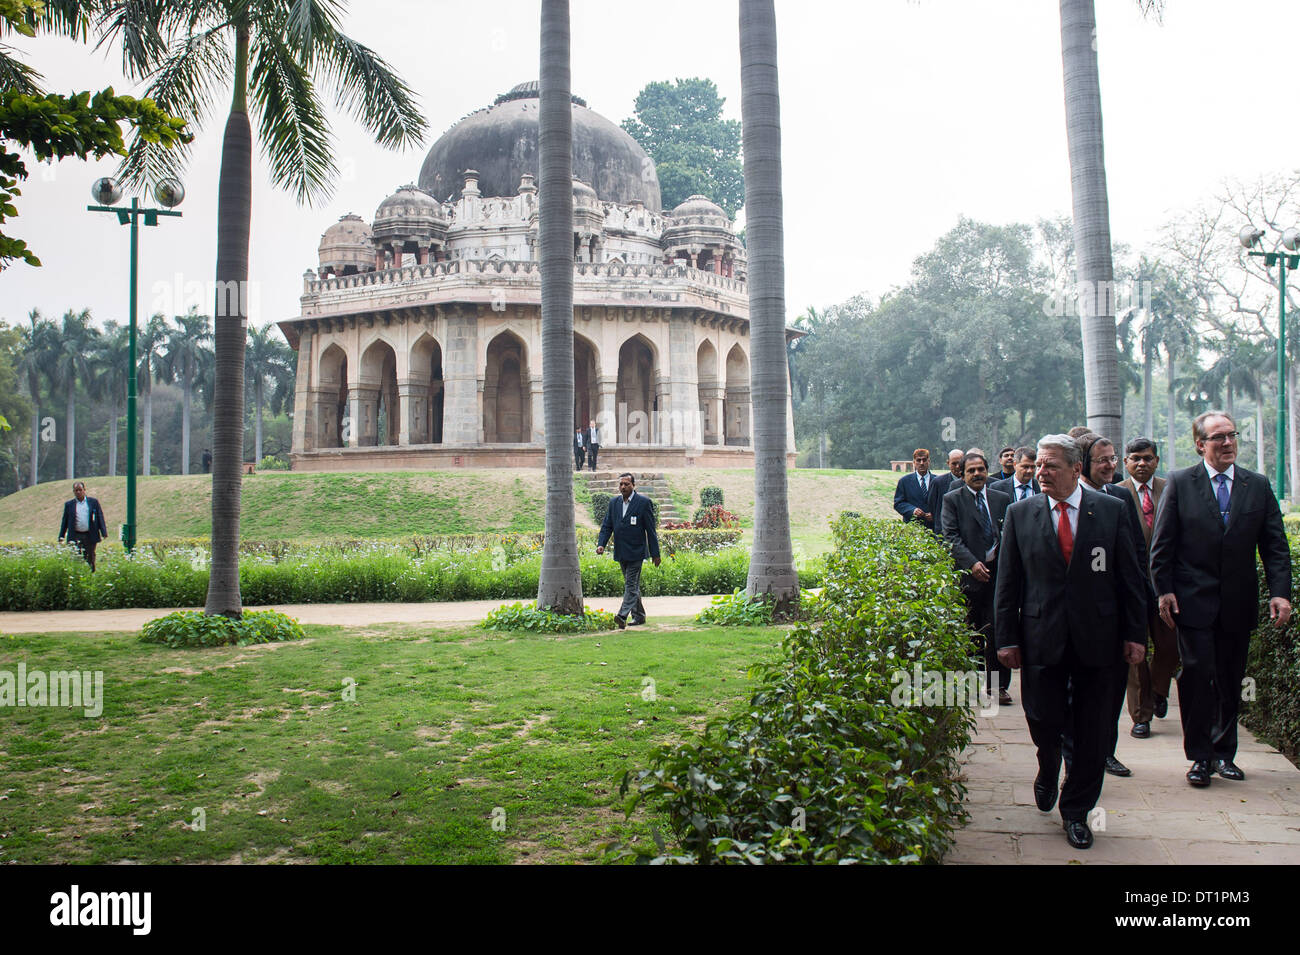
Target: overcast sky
{"x":898,"y":116}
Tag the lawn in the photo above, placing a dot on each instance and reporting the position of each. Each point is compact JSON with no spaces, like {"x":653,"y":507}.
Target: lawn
{"x":448,"y":730}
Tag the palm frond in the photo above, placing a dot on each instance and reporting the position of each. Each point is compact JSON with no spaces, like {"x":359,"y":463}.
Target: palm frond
{"x":308,"y":22}
{"x":69,"y":18}
{"x":17,"y":75}
{"x":291,"y":121}
{"x":368,"y":88}
{"x":138,"y":24}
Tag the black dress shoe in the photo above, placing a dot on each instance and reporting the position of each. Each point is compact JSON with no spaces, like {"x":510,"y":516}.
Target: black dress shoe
{"x":1140,"y":730}
{"x":1116,"y":768}
{"x":620,"y":622}
{"x":1045,"y":793}
{"x":1162,"y":706}
{"x":638,"y":621}
{"x":1004,"y":698}
{"x":1228,"y":770}
{"x":1199,"y":774}
{"x":1077,"y":831}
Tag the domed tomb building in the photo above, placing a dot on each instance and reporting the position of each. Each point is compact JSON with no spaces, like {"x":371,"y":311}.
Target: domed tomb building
{"x":419,"y":340}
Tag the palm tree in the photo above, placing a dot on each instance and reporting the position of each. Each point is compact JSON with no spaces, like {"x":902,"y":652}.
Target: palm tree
{"x":149,"y":342}
{"x":77,"y":339}
{"x":266,"y":358}
{"x":771,"y":562}
{"x":35,"y":365}
{"x":186,"y":345}
{"x":109,"y":385}
{"x":560,"y":584}
{"x":282,"y":54}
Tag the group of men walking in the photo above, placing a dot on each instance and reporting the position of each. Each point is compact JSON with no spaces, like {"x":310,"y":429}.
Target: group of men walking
{"x":586,"y":446}
{"x":1068,"y":575}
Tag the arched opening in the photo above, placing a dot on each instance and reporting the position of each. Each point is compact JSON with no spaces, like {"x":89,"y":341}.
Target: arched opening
{"x":376,"y":411}
{"x":635,"y":395}
{"x":737,"y":399}
{"x":506,"y":405}
{"x":586,"y":382}
{"x":332,"y":398}
{"x":426,"y":399}
{"x":710,"y":392}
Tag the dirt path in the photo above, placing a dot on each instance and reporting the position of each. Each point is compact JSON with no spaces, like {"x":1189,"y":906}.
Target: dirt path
{"x":344,"y":615}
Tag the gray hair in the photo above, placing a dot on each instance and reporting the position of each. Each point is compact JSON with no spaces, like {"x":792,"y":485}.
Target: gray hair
{"x":956,"y":451}
{"x":1063,"y":443}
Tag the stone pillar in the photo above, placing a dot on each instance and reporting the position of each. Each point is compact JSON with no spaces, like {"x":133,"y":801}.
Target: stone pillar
{"x":738,"y":417}
{"x":661,"y":418}
{"x":304,"y":423}
{"x":324,"y":405}
{"x":606,"y":412}
{"x":379,"y":260}
{"x":461,"y":417}
{"x":397,"y":257}
{"x":711,"y":397}
{"x":413,"y":404}
{"x":421,"y":255}
{"x":538,"y":429}
{"x":488,"y":435}
{"x":683,"y":415}
{"x":364,"y":403}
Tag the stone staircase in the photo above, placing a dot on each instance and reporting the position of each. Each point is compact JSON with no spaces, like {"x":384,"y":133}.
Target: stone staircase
{"x":651,"y":484}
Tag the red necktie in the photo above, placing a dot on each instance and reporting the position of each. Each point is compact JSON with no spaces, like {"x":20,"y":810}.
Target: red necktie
{"x":1148,"y":509}
{"x":1064,"y":536}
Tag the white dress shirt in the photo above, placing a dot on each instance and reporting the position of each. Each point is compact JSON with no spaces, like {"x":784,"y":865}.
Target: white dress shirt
{"x":1214,"y":477}
{"x":83,"y":516}
{"x":1073,"y":510}
{"x":1015,"y":489}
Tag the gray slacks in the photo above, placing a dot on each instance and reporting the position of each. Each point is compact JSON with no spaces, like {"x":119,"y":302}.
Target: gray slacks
{"x":632,"y":590}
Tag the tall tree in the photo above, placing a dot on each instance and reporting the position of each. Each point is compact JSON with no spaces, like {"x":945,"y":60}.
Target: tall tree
{"x":283,"y":53}
{"x":771,"y":562}
{"x":151,"y":366}
{"x":695,"y":150}
{"x":77,"y":339}
{"x":560,"y":584}
{"x":39,"y":345}
{"x":267,"y":359}
{"x":187,"y":341}
{"x":112,"y":361}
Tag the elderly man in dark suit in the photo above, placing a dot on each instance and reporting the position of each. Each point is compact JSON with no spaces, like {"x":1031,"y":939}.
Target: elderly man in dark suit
{"x":631,"y":520}
{"x":83,"y":523}
{"x":1148,"y":681}
{"x":972,"y":527}
{"x":911,"y":495}
{"x":1212,"y":519}
{"x":1068,"y":612}
{"x":943,"y":483}
{"x":1021,"y":484}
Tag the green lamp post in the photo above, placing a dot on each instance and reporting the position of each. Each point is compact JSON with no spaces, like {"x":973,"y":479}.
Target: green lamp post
{"x":107,"y":191}
{"x":1250,"y":239}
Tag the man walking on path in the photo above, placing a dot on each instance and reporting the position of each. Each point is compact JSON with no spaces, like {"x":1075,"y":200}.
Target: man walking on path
{"x":579,"y":449}
{"x":83,"y":523}
{"x":1212,"y":519}
{"x":631,"y":519}
{"x":593,"y":445}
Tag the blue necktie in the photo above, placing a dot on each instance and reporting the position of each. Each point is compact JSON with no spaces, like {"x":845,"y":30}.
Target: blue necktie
{"x":1024,"y":491}
{"x":1223,"y":497}
{"x":985,"y":523}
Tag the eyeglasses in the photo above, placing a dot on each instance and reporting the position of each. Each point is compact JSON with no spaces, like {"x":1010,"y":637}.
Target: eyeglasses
{"x":1109,"y":459}
{"x":1223,"y":438}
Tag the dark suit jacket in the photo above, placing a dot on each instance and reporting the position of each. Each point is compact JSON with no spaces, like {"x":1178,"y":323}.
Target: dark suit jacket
{"x":1095,"y":603}
{"x":941,"y":485}
{"x":963,"y":534}
{"x":634,"y":535}
{"x":909,"y":496}
{"x":1211,"y":568}
{"x":1135,"y":524}
{"x":1008,"y":487}
{"x":579,"y":443}
{"x":70,"y":518}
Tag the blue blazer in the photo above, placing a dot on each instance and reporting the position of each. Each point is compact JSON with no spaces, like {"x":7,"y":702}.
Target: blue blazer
{"x":70,"y":518}
{"x":634,"y":535}
{"x":908,"y":496}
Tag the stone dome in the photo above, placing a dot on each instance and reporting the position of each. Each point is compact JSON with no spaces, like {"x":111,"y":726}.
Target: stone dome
{"x":700,"y":210}
{"x":347,"y":243}
{"x":501,"y":142}
{"x":583,"y":194}
{"x":408,"y":211}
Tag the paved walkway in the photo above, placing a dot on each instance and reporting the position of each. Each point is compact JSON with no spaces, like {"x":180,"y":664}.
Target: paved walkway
{"x":1153,"y":817}
{"x":345,"y":615}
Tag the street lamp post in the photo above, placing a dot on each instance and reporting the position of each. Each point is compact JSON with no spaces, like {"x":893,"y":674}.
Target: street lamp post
{"x":107,"y":191}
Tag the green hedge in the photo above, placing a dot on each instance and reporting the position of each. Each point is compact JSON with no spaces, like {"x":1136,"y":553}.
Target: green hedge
{"x":821,"y":765}
{"x":1274,"y":664}
{"x":54,"y":578}
{"x":710,"y":495}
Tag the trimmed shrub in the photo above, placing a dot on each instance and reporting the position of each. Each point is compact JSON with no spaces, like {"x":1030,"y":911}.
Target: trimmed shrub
{"x":682,"y":538}
{"x":599,"y":506}
{"x":194,"y":628}
{"x":521,"y":616}
{"x":715,"y":515}
{"x":736,"y":609}
{"x":710,"y":495}
{"x":273,"y":462}
{"x":1273,"y":713}
{"x":823,"y":765}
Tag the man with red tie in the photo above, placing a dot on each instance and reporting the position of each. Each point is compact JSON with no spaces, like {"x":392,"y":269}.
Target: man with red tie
{"x":1069,"y":611}
{"x":1148,"y":681}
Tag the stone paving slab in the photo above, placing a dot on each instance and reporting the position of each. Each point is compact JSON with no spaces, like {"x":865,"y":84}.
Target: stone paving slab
{"x":1152,"y":817}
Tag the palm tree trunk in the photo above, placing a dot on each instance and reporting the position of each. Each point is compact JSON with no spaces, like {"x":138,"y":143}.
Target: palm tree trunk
{"x":36,"y":443}
{"x":234,"y":214}
{"x":1095,"y":271}
{"x":72,"y":426}
{"x":1170,"y":428}
{"x":771,"y":561}
{"x":560,"y":584}
{"x":1147,"y":365}
{"x":257,"y":424}
{"x":188,"y":381}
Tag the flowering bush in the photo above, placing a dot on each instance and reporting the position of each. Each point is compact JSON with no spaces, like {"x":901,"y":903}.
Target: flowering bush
{"x":715,"y":515}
